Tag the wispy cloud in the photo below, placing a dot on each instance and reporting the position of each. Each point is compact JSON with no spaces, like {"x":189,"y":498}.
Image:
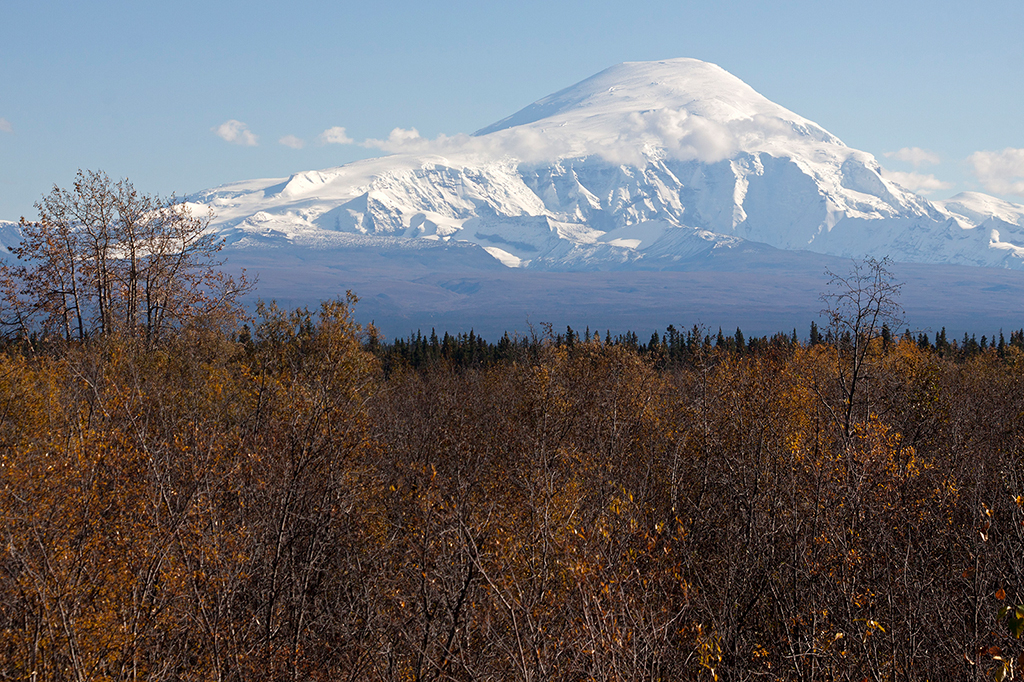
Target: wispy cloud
{"x":660,"y":133}
{"x":525,"y":144}
{"x":916,"y":182}
{"x":999,"y":172}
{"x":335,"y":135}
{"x":235,"y":132}
{"x":408,"y":140}
{"x":5,"y":126}
{"x":915,"y":156}
{"x":293,"y":142}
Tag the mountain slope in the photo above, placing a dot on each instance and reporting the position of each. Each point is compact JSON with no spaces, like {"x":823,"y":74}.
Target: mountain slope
{"x":640,"y":166}
{"x":10,"y":235}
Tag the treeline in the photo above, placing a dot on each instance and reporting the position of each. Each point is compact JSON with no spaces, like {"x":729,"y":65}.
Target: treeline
{"x":274,"y":505}
{"x":669,"y":347}
{"x":673,"y":346}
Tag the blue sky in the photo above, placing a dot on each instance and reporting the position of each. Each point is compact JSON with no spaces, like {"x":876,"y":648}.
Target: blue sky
{"x":141,"y":89}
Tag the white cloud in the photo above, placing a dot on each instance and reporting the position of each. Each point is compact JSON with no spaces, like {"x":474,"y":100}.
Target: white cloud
{"x":235,"y":132}
{"x":654,"y":134}
{"x":335,"y":135}
{"x":293,"y":142}
{"x":5,"y":126}
{"x":525,"y":144}
{"x":916,"y":182}
{"x":401,"y":140}
{"x":659,"y":133}
{"x":915,"y":156}
{"x":1000,"y":172}
{"x":685,"y":136}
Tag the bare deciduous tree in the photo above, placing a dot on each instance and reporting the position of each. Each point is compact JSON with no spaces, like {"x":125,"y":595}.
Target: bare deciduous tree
{"x":858,"y":306}
{"x":103,"y":258}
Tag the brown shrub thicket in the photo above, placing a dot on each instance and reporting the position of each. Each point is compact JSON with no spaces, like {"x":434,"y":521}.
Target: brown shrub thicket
{"x":276,"y":507}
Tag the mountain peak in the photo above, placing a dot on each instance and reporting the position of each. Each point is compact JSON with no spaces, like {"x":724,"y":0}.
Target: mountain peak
{"x":682,"y":85}
{"x":682,"y":109}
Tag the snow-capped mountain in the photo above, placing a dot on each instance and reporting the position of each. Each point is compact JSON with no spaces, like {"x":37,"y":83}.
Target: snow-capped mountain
{"x":10,"y":235}
{"x":644,"y":165}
